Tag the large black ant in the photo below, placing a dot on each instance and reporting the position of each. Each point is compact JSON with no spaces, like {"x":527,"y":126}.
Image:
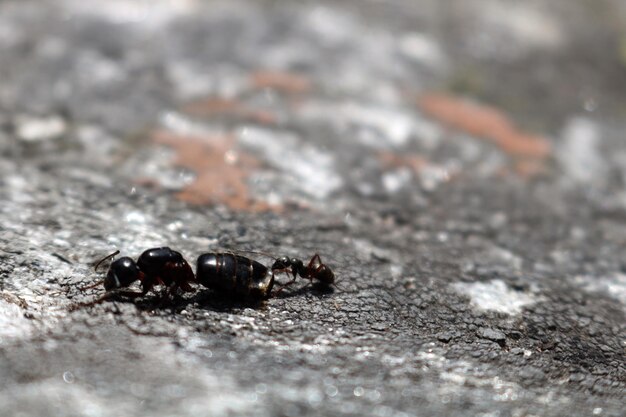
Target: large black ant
{"x":156,"y":266}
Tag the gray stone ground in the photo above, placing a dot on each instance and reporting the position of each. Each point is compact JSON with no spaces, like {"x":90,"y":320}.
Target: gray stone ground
{"x":469,"y":284}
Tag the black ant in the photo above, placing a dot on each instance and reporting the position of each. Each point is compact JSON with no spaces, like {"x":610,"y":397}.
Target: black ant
{"x":315,"y":269}
{"x":162,"y":266}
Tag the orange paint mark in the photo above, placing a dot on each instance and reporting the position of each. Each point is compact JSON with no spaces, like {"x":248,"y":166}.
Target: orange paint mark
{"x":529,"y":168}
{"x":393,"y":160}
{"x":485,"y":122}
{"x":221,"y":171}
{"x":216,"y":106}
{"x":286,"y":82}
{"x":213,"y":106}
{"x":147,"y":183}
{"x":416,"y":163}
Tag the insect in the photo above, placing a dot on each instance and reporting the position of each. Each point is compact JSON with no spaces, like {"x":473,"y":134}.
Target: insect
{"x":156,"y":266}
{"x":234,"y":274}
{"x":224,"y":272}
{"x":314,"y":270}
{"x":228,"y":272}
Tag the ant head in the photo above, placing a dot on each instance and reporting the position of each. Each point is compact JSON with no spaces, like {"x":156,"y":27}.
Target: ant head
{"x":122,"y":273}
{"x":282,"y":263}
{"x":296,"y":265}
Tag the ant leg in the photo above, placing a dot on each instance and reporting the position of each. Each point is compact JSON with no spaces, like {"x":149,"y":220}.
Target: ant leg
{"x":172,"y":290}
{"x":88,"y":287}
{"x":282,"y":287}
{"x":186,"y":287}
{"x":285,"y":270}
{"x":131,"y":294}
{"x":167,"y":295}
{"x":106,"y":296}
{"x":293,"y":277}
{"x":180,"y":275}
{"x":313,"y":258}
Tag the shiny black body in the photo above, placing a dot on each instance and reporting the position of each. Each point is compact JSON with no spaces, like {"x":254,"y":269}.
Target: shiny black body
{"x":234,"y":275}
{"x":164,"y":266}
{"x":156,"y":266}
{"x":122,"y":273}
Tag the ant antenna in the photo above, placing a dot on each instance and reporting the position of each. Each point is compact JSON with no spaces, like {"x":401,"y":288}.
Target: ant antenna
{"x":98,"y":300}
{"x":235,"y":251}
{"x":91,"y":286}
{"x":95,"y":268}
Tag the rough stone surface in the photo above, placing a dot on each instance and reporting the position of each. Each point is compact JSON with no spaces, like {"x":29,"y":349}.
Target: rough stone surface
{"x":458,"y":164}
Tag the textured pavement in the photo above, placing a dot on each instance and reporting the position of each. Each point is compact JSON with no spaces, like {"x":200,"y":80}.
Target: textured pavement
{"x":460,"y":165}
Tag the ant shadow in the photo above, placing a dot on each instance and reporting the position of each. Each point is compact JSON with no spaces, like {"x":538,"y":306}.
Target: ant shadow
{"x":202,"y":299}
{"x":216,"y":301}
{"x":206,"y":299}
{"x":317,"y":289}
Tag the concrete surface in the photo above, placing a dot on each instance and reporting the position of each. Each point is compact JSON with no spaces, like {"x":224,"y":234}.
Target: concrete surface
{"x":459,"y":164}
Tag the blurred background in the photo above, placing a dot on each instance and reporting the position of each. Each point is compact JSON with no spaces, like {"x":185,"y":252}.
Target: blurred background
{"x":460,"y":164}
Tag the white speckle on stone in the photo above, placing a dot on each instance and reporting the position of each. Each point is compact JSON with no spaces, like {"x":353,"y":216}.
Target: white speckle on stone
{"x":366,"y":250}
{"x":311,"y":170}
{"x":494,"y":296}
{"x":188,"y":80}
{"x":142,"y":13}
{"x":332,"y":26}
{"x":13,"y":324}
{"x":135,"y":217}
{"x":35,"y":129}
{"x":18,"y":188}
{"x":579,"y":155}
{"x":380,"y":126}
{"x":614,"y":285}
{"x":528,"y":25}
{"x":431,"y":176}
{"x":455,"y":373}
{"x":423,"y":49}
{"x":396,"y":270}
{"x":61,"y":399}
{"x":394,"y":181}
{"x":181,"y":124}
{"x":395,"y":126}
{"x":500,"y":255}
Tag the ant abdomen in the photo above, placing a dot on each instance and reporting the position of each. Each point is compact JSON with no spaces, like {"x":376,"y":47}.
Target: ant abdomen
{"x":234,"y":275}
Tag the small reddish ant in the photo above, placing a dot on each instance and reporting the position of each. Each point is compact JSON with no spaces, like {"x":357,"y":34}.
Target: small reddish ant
{"x":314,"y":270}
